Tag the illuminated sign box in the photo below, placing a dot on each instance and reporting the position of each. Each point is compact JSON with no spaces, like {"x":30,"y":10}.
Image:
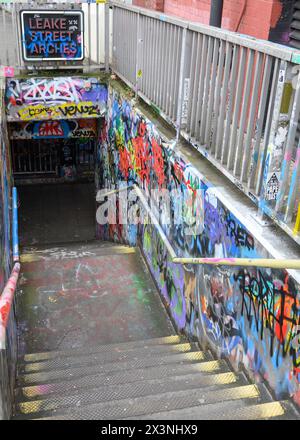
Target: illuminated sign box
{"x":52,"y":36}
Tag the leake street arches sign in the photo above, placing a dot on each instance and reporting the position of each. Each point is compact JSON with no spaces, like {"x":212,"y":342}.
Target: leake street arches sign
{"x":52,"y":36}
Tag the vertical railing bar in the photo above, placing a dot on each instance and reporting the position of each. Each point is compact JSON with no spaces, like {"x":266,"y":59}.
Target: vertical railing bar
{"x":211,"y":94}
{"x":232,"y":92}
{"x":97,"y":34}
{"x":172,"y":70}
{"x":154,"y":60}
{"x":217,"y":95}
{"x":107,"y":37}
{"x":114,"y":34}
{"x":147,"y":58}
{"x":89,"y":33}
{"x":251,"y":118}
{"x":139,"y":52}
{"x":237,"y":108}
{"x":158,"y":70}
{"x":206,"y":89}
{"x":244,"y":113}
{"x":192,"y":80}
{"x":160,"y":62}
{"x":170,"y":66}
{"x":5,"y":36}
{"x":181,"y":81}
{"x":196,"y":128}
{"x":162,"y":89}
{"x":224,"y":93}
{"x":165,"y":77}
{"x":151,"y":55}
{"x":260,"y":119}
{"x":194,"y":90}
{"x":179,"y":78}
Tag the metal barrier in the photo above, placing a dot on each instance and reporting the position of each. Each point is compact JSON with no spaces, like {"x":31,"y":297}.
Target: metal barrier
{"x":235,"y":98}
{"x":15,"y":232}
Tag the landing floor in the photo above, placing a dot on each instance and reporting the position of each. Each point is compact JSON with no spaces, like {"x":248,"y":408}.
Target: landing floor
{"x":91,"y":294}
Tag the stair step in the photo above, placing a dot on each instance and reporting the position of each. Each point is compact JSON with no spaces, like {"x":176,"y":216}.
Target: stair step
{"x":59,"y":252}
{"x":119,"y":348}
{"x":143,"y":406}
{"x":234,"y":410}
{"x":88,"y":379}
{"x":108,"y":368}
{"x":130,"y":391}
{"x":105,"y":357}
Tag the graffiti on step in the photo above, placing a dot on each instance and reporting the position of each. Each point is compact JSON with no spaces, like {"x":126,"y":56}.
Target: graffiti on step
{"x":55,"y":98}
{"x":54,"y":129}
{"x":251,"y":316}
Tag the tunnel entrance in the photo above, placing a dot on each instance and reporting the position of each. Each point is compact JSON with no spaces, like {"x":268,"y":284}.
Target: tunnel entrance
{"x":53,"y":166}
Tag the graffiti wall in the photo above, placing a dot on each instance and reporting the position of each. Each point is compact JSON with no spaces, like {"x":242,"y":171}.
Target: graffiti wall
{"x":55,"y":98}
{"x":252,"y":316}
{"x":54,"y":129}
{"x":8,"y":356}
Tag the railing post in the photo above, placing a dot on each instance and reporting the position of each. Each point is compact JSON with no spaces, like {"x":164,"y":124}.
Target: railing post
{"x":284,"y":178}
{"x":269,"y":165}
{"x":183,"y":82}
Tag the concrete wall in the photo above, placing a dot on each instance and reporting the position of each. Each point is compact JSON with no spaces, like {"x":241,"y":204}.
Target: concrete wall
{"x":252,"y":316}
{"x":255,"y":17}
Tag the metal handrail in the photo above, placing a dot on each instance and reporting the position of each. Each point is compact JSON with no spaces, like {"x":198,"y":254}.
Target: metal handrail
{"x":15,"y":235}
{"x":271,"y":263}
{"x":6,"y":300}
{"x":267,"y":47}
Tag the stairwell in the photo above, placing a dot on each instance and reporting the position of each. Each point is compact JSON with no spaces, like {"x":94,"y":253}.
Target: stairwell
{"x":95,"y":342}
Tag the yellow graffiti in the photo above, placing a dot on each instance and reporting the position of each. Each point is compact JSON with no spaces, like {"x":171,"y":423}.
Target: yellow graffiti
{"x":67,"y":110}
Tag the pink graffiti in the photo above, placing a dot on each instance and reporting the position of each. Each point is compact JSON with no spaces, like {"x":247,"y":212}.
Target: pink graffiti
{"x":6,"y":300}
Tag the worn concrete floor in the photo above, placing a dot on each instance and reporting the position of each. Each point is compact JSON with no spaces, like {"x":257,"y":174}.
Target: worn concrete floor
{"x":56,"y":213}
{"x":91,"y":294}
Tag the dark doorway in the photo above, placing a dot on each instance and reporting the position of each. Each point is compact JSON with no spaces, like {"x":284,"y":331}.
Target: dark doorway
{"x":54,"y":174}
{"x":56,"y":213}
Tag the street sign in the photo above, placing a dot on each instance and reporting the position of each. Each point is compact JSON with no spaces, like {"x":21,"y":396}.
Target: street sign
{"x":52,"y":35}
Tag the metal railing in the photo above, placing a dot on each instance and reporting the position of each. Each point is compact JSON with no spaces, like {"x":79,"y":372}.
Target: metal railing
{"x":235,"y":98}
{"x":270,"y":263}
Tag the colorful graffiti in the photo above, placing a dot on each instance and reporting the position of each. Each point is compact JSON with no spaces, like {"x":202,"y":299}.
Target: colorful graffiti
{"x":55,"y":98}
{"x":251,"y":316}
{"x":54,"y":129}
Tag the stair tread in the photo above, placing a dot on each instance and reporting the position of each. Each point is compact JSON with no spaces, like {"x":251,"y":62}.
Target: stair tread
{"x":234,"y":410}
{"x":123,"y":346}
{"x":105,"y":357}
{"x":150,"y":404}
{"x":131,"y":390}
{"x":86,"y":375}
{"x":111,"y":367}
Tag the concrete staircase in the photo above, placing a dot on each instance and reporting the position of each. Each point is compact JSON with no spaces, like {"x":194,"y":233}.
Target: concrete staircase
{"x":161,"y":378}
{"x":104,"y":348}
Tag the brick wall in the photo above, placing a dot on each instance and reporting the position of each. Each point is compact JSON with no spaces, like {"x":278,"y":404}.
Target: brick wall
{"x":251,"y":17}
{"x":157,"y":5}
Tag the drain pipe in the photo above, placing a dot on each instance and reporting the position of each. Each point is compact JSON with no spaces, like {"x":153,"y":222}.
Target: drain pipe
{"x":216,"y":13}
